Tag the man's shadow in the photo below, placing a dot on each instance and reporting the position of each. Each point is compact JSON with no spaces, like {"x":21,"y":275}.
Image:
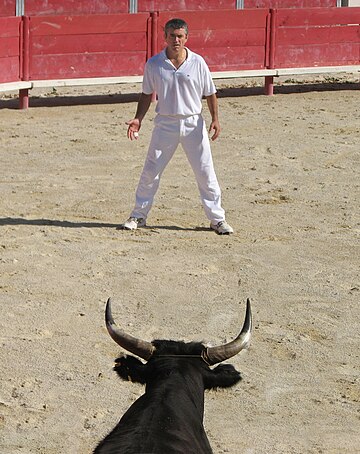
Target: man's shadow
{"x":91,"y":225}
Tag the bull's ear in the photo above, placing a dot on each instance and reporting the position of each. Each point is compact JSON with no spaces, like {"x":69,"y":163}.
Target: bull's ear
{"x":131,"y":369}
{"x":222,"y":376}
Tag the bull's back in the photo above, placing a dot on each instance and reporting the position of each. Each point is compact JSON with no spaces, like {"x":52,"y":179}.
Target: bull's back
{"x":154,"y":429}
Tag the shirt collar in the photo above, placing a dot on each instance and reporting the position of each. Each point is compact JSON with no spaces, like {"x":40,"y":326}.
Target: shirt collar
{"x":189,"y":54}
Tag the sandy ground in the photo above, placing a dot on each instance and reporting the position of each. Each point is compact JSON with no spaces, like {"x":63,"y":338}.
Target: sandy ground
{"x":289,"y":170}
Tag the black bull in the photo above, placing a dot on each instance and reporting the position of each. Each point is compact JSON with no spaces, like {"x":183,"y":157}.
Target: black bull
{"x":168,"y":418}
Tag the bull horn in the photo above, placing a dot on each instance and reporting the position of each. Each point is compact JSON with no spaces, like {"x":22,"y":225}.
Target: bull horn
{"x":214,"y":355}
{"x":136,"y":346}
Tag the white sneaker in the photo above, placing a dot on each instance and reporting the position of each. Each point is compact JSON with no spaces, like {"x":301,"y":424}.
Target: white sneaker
{"x":222,"y":228}
{"x":133,"y":223}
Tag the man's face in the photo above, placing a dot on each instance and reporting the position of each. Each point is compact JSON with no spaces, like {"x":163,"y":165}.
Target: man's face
{"x":176,"y":39}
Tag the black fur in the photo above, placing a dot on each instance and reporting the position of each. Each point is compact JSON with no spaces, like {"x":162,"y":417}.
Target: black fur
{"x":131,"y":369}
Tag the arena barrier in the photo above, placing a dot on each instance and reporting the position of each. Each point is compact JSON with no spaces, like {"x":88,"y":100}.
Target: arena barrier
{"x":86,"y":7}
{"x":228,"y":41}
{"x":71,"y":47}
{"x":312,"y":40}
{"x":52,"y":51}
{"x":62,"y":7}
{"x":296,"y":4}
{"x":10,"y":49}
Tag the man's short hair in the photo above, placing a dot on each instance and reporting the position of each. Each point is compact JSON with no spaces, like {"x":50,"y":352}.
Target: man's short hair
{"x":175,"y":24}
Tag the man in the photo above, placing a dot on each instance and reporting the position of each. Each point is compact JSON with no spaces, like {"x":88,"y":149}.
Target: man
{"x":180,"y":78}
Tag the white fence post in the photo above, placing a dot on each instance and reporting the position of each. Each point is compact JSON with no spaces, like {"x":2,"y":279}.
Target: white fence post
{"x":20,"y":8}
{"x":133,"y":6}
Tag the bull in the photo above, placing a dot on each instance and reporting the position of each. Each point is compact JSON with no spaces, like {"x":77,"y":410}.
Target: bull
{"x":168,"y":418}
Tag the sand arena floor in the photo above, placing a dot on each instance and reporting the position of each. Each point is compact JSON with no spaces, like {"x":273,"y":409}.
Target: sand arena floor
{"x":288,"y":166}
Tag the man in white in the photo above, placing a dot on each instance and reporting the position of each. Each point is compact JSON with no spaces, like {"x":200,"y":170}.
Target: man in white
{"x":180,"y":78}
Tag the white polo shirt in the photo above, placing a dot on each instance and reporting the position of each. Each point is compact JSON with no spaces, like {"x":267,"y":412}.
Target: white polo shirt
{"x":179,"y":91}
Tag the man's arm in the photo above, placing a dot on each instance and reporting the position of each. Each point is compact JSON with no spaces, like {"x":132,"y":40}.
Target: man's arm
{"x":135,"y":123}
{"x":212,"y":103}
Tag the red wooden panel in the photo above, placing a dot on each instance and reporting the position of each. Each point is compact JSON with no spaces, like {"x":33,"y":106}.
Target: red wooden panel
{"x":288,"y":3}
{"x":318,"y":17}
{"x":77,"y":25}
{"x":73,"y":44}
{"x":61,"y":7}
{"x":9,"y":69}
{"x":184,"y":5}
{"x":227,"y":38}
{"x":213,"y":20}
{"x":87,"y":65}
{"x":8,"y":8}
{"x":318,"y":35}
{"x":233,"y":59}
{"x":87,"y":46}
{"x":9,"y":26}
{"x":318,"y":55}
{"x":9,"y":47}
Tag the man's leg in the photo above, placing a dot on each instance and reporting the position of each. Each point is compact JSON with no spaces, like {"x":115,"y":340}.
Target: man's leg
{"x":195,"y":141}
{"x":164,"y":141}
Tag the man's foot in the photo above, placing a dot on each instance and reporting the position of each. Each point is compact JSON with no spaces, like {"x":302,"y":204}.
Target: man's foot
{"x":222,"y":228}
{"x":133,"y":223}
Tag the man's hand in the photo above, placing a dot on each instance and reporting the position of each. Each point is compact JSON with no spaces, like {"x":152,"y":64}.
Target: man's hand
{"x":215,"y":126}
{"x":133,"y":129}
{"x":135,"y":123}
{"x":214,"y":112}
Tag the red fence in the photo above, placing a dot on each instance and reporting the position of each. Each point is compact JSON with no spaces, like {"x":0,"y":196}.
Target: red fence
{"x":185,"y":5}
{"x":8,"y":8}
{"x":71,"y":7}
{"x":65,"y":47}
{"x":316,"y":37}
{"x":61,"y":7}
{"x":288,"y":3}
{"x":228,"y":40}
{"x":10,"y":49}
{"x":60,"y":47}
{"x":37,"y":48}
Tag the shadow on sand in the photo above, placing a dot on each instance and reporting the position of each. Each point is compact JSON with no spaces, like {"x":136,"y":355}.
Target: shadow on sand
{"x":90,"y":225}
{"x":59,"y":101}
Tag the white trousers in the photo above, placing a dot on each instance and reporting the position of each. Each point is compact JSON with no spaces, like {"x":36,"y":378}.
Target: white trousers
{"x":191,"y":133}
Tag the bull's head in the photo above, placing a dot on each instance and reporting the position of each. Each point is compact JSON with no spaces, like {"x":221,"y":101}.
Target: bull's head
{"x":169,"y":416}
{"x":211,"y":355}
